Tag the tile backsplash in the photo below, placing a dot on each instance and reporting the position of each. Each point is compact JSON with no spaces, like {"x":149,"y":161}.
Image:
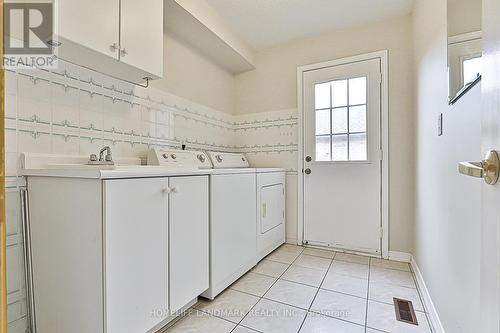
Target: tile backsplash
{"x":77,"y":111}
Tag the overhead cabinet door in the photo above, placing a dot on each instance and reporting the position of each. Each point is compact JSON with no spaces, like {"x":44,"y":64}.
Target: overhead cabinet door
{"x":94,"y":24}
{"x":188,"y":239}
{"x":136,"y":253}
{"x":141,"y":35}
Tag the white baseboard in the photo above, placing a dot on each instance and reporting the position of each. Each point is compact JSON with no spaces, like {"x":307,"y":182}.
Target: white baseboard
{"x":437,"y":327}
{"x":400,"y":256}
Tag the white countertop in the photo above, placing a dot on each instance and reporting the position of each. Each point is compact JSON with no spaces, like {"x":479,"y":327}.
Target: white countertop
{"x":49,"y":165}
{"x":105,"y":172}
{"x":132,"y":171}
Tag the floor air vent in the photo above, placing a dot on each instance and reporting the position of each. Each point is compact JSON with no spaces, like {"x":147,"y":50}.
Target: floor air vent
{"x":404,"y":311}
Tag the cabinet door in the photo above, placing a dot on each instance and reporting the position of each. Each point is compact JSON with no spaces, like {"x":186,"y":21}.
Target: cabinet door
{"x":188,"y":239}
{"x":92,"y":23}
{"x":136,"y":253}
{"x":141,"y":35}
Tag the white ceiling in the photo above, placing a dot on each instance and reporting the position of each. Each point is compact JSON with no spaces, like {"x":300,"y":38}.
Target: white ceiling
{"x":265,"y":23}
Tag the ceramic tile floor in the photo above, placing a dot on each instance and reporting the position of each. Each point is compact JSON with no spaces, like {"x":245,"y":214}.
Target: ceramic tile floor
{"x":295,"y":289}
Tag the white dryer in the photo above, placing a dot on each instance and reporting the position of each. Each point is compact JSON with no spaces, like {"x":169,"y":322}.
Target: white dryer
{"x":270,"y":210}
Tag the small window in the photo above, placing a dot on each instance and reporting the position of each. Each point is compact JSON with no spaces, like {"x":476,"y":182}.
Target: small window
{"x":471,"y":69}
{"x":341,"y":120}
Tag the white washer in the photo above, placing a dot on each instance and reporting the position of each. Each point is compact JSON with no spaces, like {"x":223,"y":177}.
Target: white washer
{"x":233,"y":216}
{"x":248,"y":217}
{"x":179,"y":159}
{"x":271,"y":191}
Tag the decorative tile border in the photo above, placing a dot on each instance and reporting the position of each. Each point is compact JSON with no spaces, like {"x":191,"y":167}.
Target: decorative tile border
{"x":65,"y":89}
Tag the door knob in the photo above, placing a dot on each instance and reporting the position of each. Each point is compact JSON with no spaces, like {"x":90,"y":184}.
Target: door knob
{"x":308,"y":159}
{"x":488,"y":169}
{"x":307,"y":171}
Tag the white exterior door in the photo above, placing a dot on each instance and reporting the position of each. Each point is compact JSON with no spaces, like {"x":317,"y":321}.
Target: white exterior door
{"x":342,"y":156}
{"x":490,"y":234}
{"x":136,"y":253}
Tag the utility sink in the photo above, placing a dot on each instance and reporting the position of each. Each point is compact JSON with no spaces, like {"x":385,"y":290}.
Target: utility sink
{"x":119,"y":167}
{"x":76,"y":166}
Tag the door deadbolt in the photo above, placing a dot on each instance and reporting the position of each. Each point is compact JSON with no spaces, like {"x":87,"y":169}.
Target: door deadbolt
{"x":307,"y":171}
{"x":308,"y":159}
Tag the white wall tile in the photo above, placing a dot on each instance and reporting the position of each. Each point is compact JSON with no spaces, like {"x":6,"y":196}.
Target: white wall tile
{"x":11,"y":105}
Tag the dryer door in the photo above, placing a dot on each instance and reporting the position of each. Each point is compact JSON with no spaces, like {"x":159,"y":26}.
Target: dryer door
{"x":272,"y":207}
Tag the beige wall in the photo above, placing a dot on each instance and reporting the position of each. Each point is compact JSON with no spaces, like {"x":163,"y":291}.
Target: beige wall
{"x":272,"y":86}
{"x":464,"y":16}
{"x":447,"y":226}
{"x":190,"y":75}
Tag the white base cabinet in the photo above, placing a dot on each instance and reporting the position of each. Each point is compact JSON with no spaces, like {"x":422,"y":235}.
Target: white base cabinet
{"x":116,"y":256}
{"x":135,"y":252}
{"x":188,"y":239}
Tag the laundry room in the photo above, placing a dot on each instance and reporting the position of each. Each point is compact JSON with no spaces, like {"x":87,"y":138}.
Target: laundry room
{"x":248,"y":166}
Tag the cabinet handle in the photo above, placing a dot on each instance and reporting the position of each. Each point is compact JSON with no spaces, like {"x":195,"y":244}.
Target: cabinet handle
{"x":113,"y":47}
{"x":166,"y":190}
{"x":123,"y":52}
{"x":175,"y":189}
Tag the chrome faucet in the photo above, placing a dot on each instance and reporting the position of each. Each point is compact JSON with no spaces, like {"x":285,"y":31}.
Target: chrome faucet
{"x":103,"y":159}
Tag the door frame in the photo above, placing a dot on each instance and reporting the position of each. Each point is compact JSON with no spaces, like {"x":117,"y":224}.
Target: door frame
{"x":384,"y":124}
{"x":3,"y":233}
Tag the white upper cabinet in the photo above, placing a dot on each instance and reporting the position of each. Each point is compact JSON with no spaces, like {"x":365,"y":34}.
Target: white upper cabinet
{"x":91,"y":23}
{"x":120,"y":38}
{"x":141,"y":34}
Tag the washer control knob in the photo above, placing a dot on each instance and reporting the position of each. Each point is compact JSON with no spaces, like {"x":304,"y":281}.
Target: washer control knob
{"x":173,"y":156}
{"x":218,"y":158}
{"x":165,"y":156}
{"x":201,"y":158}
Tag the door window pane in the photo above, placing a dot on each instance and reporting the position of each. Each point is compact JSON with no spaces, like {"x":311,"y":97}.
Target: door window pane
{"x":357,"y":91}
{"x":323,"y":148}
{"x":323,"y":122}
{"x":322,"y":96}
{"x":339,"y":148}
{"x":339,"y":121}
{"x":339,"y":93}
{"x":357,"y":147}
{"x":357,"y":119}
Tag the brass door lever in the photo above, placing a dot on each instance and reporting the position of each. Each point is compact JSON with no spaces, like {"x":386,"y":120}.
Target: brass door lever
{"x":488,"y":169}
